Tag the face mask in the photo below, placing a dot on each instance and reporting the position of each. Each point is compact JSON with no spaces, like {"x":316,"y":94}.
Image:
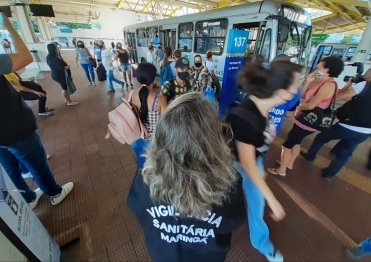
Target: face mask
{"x":198,"y":64}
{"x":81,"y":45}
{"x":320,"y":74}
{"x":119,"y":47}
{"x":183,"y":75}
{"x":159,"y":47}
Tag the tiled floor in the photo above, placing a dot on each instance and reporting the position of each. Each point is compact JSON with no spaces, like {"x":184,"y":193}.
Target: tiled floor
{"x":322,"y":217}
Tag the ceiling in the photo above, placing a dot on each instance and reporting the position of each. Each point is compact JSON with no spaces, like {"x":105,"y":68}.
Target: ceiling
{"x":329,"y":16}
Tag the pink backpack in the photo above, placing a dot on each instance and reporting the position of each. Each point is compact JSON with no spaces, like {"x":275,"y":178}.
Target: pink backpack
{"x":125,"y":124}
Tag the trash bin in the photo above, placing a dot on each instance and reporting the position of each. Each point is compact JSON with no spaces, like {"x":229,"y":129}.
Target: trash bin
{"x":35,"y":55}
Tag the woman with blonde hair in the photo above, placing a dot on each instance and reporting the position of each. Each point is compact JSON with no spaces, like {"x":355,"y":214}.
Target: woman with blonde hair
{"x":188,"y":197}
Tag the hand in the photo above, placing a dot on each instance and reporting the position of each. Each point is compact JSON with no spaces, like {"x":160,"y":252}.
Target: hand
{"x":31,"y":79}
{"x":310,"y":78}
{"x":278,"y":213}
{"x":68,"y":67}
{"x":349,"y":83}
{"x":40,"y":94}
{"x":6,"y":22}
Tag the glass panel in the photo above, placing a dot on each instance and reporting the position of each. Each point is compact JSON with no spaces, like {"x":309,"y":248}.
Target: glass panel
{"x":327,"y":50}
{"x":339,"y":52}
{"x":153,"y":35}
{"x":210,"y":35}
{"x":266,"y":44}
{"x":292,"y":46}
{"x":185,"y":37}
{"x":351,"y":51}
{"x":141,"y":36}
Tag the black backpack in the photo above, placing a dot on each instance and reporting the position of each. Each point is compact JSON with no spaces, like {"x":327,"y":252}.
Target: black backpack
{"x":172,"y":89}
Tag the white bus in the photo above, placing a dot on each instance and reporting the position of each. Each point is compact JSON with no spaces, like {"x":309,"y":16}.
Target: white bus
{"x":274,"y":28}
{"x":344,"y":51}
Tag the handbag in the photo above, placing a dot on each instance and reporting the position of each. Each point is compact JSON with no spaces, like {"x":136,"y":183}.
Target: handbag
{"x":91,"y":59}
{"x":71,"y":88}
{"x":318,"y":118}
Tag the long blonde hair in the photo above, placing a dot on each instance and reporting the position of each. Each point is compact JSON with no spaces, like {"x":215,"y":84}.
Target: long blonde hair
{"x":189,"y":164}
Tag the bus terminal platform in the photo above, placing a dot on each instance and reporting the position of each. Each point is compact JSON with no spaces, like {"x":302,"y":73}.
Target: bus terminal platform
{"x":323,"y":218}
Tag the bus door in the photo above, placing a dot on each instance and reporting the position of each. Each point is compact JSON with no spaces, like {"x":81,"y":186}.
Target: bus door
{"x":169,"y":38}
{"x":255,"y":30}
{"x":132,"y":41}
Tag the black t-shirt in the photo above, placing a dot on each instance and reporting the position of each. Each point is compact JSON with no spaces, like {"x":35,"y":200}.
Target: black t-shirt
{"x":254,"y":129}
{"x":171,"y":238}
{"x":16,"y":118}
{"x":123,"y":57}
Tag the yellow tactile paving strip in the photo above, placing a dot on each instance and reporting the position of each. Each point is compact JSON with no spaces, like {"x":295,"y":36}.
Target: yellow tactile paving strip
{"x":346,"y":174}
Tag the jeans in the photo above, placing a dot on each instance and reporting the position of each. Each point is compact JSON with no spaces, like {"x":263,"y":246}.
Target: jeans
{"x":366,"y":246}
{"x":31,"y":154}
{"x":88,"y":68}
{"x":140,"y":147}
{"x":110,"y":78}
{"x":349,"y":142}
{"x":259,"y":232}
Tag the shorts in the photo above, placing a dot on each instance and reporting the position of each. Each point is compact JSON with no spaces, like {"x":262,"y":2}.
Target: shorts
{"x":296,"y":136}
{"x":125,"y":67}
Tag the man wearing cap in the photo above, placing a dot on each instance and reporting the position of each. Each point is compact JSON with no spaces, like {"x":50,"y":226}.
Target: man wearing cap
{"x":180,"y":85}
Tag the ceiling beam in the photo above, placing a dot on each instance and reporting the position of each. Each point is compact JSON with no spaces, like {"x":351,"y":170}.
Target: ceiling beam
{"x":315,"y":20}
{"x":146,"y":6}
{"x":226,"y":3}
{"x":174,"y":11}
{"x":119,"y":4}
{"x":351,"y":3}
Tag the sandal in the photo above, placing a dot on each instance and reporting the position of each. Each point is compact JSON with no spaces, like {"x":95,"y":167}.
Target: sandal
{"x":46,"y":113}
{"x":50,"y":109}
{"x":274,"y":171}
{"x":279,"y":162}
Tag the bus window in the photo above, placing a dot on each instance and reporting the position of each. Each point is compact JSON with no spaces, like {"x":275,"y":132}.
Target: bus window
{"x":210,"y":35}
{"x":291,"y":47}
{"x":327,"y":50}
{"x":253,"y":29}
{"x":265,"y":47}
{"x":153,"y":36}
{"x":339,"y":52}
{"x":350,"y":53}
{"x":141,"y":36}
{"x":185,"y":37}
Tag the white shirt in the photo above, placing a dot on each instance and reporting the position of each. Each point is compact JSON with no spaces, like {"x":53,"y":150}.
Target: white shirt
{"x":210,"y":67}
{"x":149,"y":57}
{"x":358,"y":88}
{"x":107,"y":56}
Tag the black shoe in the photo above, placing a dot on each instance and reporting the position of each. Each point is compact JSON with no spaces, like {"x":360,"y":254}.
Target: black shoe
{"x":131,"y":85}
{"x":306,"y":157}
{"x":127,"y":85}
{"x":123,"y":85}
{"x":327,"y":178}
{"x":111,"y":91}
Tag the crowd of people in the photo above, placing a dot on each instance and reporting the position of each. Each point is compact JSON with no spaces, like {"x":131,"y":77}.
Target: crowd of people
{"x":194,"y":169}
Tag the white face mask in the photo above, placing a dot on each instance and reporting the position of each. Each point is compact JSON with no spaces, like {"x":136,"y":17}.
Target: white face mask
{"x":320,"y":74}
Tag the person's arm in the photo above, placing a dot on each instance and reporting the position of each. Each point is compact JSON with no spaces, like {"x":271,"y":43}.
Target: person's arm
{"x":348,"y":93}
{"x":161,"y":104}
{"x":325,"y":91}
{"x":348,"y":85}
{"x":165,"y":89}
{"x":247,"y":156}
{"x":60,"y":65}
{"x":310,"y":78}
{"x":77,"y":58}
{"x":23,"y":57}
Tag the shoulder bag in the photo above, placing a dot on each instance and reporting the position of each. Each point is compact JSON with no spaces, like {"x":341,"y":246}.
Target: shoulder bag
{"x":91,"y":59}
{"x":71,"y":88}
{"x":318,"y":118}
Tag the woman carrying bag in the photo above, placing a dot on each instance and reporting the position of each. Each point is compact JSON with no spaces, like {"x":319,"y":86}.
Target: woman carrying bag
{"x":61,"y":72}
{"x":318,"y":98}
{"x":86,"y":59}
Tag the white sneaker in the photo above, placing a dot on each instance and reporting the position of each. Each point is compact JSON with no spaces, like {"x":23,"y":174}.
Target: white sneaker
{"x":47,"y":157}
{"x":27,"y":175}
{"x":39,"y":193}
{"x":66,"y":189}
{"x":276,"y":257}
{"x":73,"y":103}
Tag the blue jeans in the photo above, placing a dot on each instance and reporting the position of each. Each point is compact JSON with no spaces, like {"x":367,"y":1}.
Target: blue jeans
{"x":349,"y":142}
{"x":31,"y":154}
{"x":259,"y":232}
{"x":139,"y":147}
{"x":110,"y":78}
{"x":366,"y":246}
{"x":89,"y":72}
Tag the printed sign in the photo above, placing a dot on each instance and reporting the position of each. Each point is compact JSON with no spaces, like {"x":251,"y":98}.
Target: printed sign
{"x":237,"y":44}
{"x":66,"y":30}
{"x":23,"y":222}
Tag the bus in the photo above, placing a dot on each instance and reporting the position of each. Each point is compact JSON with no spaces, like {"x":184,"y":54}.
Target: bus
{"x":344,"y":51}
{"x":272,"y":28}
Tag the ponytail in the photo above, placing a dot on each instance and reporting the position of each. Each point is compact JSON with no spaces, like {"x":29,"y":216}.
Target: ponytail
{"x":143,"y":96}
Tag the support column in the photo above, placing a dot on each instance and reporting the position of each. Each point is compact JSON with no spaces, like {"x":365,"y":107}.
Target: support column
{"x":25,"y":25}
{"x":44,"y":29}
{"x":364,"y":46}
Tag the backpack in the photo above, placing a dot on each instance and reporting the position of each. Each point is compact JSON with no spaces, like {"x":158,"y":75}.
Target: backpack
{"x":101,"y":73}
{"x":166,"y":74}
{"x":125,"y":124}
{"x":172,"y":89}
